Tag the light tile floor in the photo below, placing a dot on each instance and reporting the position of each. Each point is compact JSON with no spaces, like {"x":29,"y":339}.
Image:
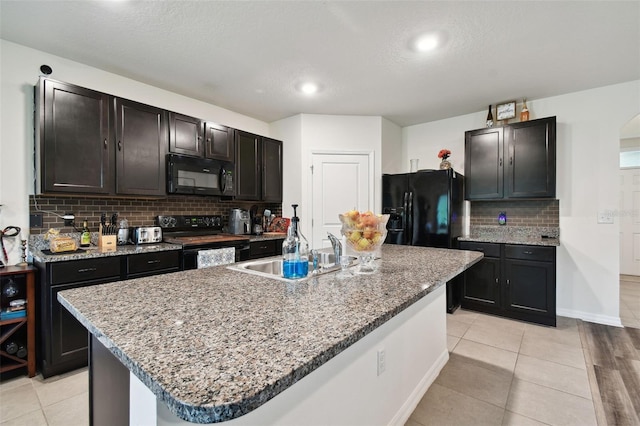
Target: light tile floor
{"x":630,"y":300}
{"x":59,"y":400}
{"x":504,"y":372}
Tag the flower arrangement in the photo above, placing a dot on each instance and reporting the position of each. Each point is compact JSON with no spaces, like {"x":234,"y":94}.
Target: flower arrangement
{"x":444,"y":154}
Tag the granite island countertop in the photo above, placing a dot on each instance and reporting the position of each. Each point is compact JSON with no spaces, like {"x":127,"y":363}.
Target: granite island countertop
{"x":215,"y":343}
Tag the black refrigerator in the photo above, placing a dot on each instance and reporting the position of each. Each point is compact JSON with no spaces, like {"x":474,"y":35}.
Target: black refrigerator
{"x":425,"y":209}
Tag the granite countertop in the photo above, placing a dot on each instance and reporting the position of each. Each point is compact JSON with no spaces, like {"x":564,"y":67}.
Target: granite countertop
{"x":268,"y":236}
{"x":215,"y":343}
{"x":94,"y":252}
{"x":535,"y":236}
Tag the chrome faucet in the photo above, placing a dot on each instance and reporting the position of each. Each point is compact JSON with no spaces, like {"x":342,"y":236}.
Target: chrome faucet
{"x":337,"y":247}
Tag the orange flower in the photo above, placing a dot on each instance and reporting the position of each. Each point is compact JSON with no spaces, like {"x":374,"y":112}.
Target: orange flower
{"x":444,"y":154}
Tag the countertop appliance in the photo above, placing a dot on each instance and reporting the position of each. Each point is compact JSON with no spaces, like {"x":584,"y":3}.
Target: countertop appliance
{"x":147,"y":235}
{"x":425,"y":209}
{"x":200,"y":232}
{"x":200,"y":176}
{"x":239,"y":222}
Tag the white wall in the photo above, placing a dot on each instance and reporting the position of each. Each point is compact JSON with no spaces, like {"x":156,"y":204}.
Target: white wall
{"x":19,"y":71}
{"x":588,"y":134}
{"x":392,"y":148}
{"x":330,"y":133}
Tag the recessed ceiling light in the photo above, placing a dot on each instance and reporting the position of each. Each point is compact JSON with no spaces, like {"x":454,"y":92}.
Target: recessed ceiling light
{"x":309,"y":88}
{"x":425,"y":43}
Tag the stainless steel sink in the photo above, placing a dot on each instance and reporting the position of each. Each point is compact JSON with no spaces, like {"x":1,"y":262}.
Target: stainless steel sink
{"x":272,"y":267}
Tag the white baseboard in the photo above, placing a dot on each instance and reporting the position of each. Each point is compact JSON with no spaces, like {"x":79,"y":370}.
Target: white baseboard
{"x":586,"y":316}
{"x":411,"y":403}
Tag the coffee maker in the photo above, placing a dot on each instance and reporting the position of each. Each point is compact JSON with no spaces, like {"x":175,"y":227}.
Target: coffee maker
{"x":239,"y":222}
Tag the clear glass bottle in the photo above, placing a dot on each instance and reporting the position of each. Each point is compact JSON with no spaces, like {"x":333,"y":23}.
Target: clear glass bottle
{"x":490,"y":118}
{"x":295,"y":251}
{"x":524,"y":114}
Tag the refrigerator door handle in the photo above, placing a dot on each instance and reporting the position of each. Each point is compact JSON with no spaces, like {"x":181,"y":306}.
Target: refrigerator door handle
{"x":405,"y":223}
{"x":410,"y":220}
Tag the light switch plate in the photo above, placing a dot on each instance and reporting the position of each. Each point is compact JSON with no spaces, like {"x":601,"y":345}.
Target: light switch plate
{"x":605,"y":216}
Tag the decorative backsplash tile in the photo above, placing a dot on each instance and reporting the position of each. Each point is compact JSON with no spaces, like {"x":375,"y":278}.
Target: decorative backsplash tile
{"x":137,"y":211}
{"x":533,"y":213}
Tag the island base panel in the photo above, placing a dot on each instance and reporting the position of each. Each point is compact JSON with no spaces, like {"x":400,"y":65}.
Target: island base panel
{"x":108,"y":387}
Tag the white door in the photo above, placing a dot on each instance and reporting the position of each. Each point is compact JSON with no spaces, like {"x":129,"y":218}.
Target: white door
{"x":630,"y":221}
{"x":340,"y":182}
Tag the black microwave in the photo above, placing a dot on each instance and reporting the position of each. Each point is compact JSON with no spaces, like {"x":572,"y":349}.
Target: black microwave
{"x":200,"y":176}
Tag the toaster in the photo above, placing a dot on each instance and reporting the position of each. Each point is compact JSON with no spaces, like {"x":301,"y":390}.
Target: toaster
{"x":146,"y":235}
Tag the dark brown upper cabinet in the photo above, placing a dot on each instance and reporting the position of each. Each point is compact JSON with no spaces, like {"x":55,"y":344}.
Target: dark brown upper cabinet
{"x":219,"y":142}
{"x":186,"y":135}
{"x":258,"y":168}
{"x":271,"y":170}
{"x":73,"y":139}
{"x":248,"y":166}
{"x":141,"y":141}
{"x":515,"y":161}
{"x":92,"y":143}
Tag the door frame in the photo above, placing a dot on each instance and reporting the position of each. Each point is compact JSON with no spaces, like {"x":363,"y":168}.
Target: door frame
{"x":371,"y":179}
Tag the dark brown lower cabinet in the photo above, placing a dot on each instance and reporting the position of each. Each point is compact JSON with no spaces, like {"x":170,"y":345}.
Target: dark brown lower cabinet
{"x":62,"y":340}
{"x":265,"y":248}
{"x":515,"y":281}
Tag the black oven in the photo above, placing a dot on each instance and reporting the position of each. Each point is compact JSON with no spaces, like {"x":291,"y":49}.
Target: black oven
{"x":200,"y":176}
{"x":200,"y":232}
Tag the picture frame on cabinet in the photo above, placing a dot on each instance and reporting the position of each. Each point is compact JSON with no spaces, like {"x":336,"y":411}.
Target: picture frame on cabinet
{"x":506,"y":110}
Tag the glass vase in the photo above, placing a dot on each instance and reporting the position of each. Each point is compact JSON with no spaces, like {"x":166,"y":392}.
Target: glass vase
{"x":445,"y":164}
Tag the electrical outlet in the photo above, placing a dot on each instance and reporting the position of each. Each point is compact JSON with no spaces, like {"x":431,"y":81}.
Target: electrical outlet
{"x":605,"y":216}
{"x":35,"y":220}
{"x":382,"y":361}
{"x":68,"y":219}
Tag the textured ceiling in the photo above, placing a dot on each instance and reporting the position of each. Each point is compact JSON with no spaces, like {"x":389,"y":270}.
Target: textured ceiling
{"x":249,"y":56}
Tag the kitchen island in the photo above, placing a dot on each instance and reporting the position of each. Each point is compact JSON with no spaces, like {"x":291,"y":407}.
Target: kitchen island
{"x":215,"y":344}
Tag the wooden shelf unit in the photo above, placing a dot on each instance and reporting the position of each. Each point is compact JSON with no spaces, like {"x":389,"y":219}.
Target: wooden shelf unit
{"x":10,"y":326}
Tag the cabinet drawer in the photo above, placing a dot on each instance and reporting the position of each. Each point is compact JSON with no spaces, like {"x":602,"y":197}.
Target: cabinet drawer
{"x":149,"y":262}
{"x":540,"y":253}
{"x":85,"y":270}
{"x":262,"y":248}
{"x":489,"y":249}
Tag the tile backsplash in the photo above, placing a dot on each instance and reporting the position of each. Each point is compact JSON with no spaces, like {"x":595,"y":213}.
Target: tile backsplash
{"x":138,"y":211}
{"x":536,"y":213}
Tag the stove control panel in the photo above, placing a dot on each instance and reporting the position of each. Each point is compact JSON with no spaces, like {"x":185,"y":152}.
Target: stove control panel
{"x":183,"y":223}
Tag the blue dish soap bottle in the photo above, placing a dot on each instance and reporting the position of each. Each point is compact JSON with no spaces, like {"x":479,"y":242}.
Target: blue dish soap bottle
{"x":295,"y":251}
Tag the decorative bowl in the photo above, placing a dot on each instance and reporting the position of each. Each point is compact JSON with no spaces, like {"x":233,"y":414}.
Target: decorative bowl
{"x":365,"y":233}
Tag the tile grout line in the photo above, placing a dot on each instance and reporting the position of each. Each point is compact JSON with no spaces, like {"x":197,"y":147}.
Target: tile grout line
{"x":591,"y":374}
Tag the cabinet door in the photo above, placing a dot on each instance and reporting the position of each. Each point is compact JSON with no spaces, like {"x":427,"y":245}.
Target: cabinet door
{"x":530,"y":287}
{"x":219,"y":142}
{"x":482,"y":284}
{"x":69,"y":338}
{"x":531,"y":159}
{"x":141,"y":141}
{"x":248,"y":166}
{"x":185,"y":135}
{"x":271,"y":170}
{"x":74,"y":141}
{"x":483,"y":164}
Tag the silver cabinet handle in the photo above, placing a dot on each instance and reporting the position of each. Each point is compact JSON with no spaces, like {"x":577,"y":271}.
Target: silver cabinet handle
{"x":119,"y":145}
{"x":81,"y":271}
{"x":508,"y":282}
{"x":150,"y":262}
{"x":527,"y":252}
{"x":497,"y":280}
{"x":105,"y":144}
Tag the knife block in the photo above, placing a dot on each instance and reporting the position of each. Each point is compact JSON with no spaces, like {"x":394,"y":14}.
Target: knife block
{"x":106,"y":242}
